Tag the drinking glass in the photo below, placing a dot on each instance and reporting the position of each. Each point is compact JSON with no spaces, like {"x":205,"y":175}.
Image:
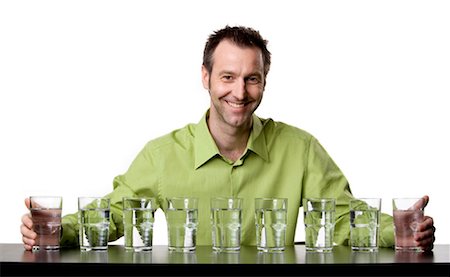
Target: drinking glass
{"x":94,"y":223}
{"x":46,"y":217}
{"x":319,"y":219}
{"x":226,"y":218}
{"x":408,"y":213}
{"x":365,"y":224}
{"x":138,"y":220}
{"x":271,"y":222}
{"x":182,"y":220}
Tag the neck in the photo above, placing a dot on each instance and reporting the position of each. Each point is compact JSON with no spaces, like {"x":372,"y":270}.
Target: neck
{"x":231,"y":141}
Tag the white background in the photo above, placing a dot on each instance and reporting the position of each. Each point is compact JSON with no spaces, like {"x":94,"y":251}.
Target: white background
{"x":85,"y":84}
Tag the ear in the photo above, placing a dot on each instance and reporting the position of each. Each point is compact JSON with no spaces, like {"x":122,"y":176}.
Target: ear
{"x":205,"y":77}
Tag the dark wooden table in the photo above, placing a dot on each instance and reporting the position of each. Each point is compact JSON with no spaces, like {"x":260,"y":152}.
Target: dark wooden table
{"x":14,"y":260}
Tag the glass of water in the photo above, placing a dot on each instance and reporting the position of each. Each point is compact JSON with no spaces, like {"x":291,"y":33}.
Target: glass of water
{"x":182,"y":221}
{"x":319,"y":218}
{"x":226,"y":218}
{"x":138,"y":220}
{"x":271,"y":222}
{"x":364,"y":224}
{"x":93,"y":218}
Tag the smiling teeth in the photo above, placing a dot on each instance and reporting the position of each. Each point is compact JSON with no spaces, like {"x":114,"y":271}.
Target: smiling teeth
{"x":236,"y":105}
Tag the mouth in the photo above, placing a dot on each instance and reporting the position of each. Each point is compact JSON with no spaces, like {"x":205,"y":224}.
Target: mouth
{"x":236,"y":105}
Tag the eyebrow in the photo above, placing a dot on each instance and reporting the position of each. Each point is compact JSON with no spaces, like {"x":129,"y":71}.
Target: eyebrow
{"x":229,"y":72}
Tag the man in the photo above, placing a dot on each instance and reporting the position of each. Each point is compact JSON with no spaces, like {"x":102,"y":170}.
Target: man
{"x":232,"y":152}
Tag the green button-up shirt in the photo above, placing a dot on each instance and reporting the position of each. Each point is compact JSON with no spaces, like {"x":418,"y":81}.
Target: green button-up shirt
{"x":280,"y":161}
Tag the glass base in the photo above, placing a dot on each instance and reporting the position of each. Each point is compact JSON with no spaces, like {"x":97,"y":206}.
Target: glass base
{"x":96,"y":248}
{"x":182,"y":249}
{"x":364,"y":249}
{"x":45,"y":248}
{"x":408,"y":249}
{"x":138,"y":248}
{"x":270,"y":249}
{"x":226,"y":249}
{"x":319,"y":249}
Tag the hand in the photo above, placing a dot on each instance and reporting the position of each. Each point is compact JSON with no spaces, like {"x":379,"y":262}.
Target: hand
{"x":424,"y":235}
{"x":28,"y":235}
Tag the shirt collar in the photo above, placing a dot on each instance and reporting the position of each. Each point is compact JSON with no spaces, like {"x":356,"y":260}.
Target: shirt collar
{"x":205,"y":148}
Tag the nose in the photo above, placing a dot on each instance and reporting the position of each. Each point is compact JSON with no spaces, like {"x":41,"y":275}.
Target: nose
{"x":240,"y":89}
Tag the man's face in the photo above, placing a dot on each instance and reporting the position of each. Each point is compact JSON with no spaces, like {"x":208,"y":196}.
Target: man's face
{"x":236,"y":84}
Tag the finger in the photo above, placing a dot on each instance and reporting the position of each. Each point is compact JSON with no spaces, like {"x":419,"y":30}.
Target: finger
{"x":27,"y":221}
{"x":426,"y":244}
{"x":425,"y":235}
{"x":426,"y":224}
{"x":28,"y":243}
{"x":27,"y":233}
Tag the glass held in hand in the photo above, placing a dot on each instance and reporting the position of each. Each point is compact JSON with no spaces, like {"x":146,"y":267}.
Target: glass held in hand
{"x":408,"y":214}
{"x":46,"y":216}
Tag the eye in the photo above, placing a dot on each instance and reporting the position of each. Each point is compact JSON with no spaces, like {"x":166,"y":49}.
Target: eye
{"x":227,"y":78}
{"x":253,"y":80}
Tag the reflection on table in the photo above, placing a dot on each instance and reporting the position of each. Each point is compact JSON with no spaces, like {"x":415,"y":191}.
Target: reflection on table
{"x":160,"y":261}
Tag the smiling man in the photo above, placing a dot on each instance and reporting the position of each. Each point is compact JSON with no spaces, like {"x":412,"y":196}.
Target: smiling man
{"x":232,"y":152}
{"x":236,"y":85}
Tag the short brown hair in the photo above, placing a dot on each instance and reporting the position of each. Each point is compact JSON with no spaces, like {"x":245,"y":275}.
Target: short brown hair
{"x":241,"y":36}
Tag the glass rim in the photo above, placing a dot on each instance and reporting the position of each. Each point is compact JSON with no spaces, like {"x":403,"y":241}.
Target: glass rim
{"x":270,"y":198}
{"x":138,"y":198}
{"x":46,"y":202}
{"x":93,"y":197}
{"x":84,"y":201}
{"x":406,"y":198}
{"x":225,"y":197}
{"x":365,"y":199}
{"x":44,"y":196}
{"x":319,"y":199}
{"x":182,"y":197}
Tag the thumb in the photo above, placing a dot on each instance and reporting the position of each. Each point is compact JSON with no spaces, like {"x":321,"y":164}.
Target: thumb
{"x":422,"y":203}
{"x":425,"y":200}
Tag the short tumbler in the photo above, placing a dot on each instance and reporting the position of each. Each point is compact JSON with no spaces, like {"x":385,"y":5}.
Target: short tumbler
{"x":182,"y":220}
{"x":408,"y":213}
{"x":46,"y":216}
{"x":319,"y":218}
{"x":271,"y":222}
{"x":226,"y":218}
{"x":138,"y":220}
{"x":364,"y":224}
{"x":94,"y":223}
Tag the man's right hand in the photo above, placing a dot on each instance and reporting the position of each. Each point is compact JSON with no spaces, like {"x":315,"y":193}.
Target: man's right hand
{"x":28,"y":235}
